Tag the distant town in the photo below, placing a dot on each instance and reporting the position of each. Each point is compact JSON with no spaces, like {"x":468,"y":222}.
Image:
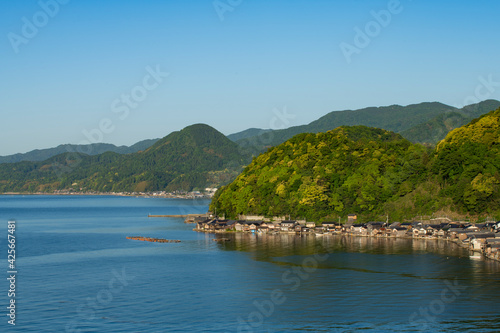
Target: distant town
{"x":206,"y":193}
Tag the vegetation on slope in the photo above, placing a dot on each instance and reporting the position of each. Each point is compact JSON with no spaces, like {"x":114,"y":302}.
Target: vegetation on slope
{"x":371,"y":172}
{"x":346,"y":170}
{"x":468,"y":163}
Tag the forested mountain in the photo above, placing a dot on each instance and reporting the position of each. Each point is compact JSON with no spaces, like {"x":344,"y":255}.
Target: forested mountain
{"x":90,"y":149}
{"x":194,"y":157}
{"x":420,"y":123}
{"x":371,"y":172}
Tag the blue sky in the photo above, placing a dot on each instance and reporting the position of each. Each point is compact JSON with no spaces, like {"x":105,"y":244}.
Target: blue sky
{"x":232,"y":68}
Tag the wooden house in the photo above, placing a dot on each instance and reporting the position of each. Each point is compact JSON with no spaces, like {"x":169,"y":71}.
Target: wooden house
{"x":200,"y":224}
{"x":238,"y":226}
{"x":399,"y":231}
{"x":311,"y":224}
{"x":328,"y":225}
{"x":319,"y":230}
{"x":358,"y":229}
{"x":288,"y":223}
{"x":263,"y":229}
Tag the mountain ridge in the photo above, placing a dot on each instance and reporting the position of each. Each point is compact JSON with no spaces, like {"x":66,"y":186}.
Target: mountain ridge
{"x":194,"y":157}
{"x":89,"y":149}
{"x":417,"y":122}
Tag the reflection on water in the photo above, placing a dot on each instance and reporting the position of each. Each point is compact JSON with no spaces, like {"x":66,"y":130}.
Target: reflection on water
{"x":267,"y":246}
{"x":69,"y":247}
{"x":376,"y":278}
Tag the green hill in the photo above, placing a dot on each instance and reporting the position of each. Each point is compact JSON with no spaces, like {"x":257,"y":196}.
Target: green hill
{"x":468,"y":163}
{"x":195,"y":157}
{"x":315,"y":176}
{"x":371,"y":172}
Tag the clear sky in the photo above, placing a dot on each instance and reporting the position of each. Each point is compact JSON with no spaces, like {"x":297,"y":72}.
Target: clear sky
{"x":76,"y":71}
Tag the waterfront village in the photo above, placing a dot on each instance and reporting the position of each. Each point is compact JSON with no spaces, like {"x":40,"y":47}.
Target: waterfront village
{"x":481,"y":238}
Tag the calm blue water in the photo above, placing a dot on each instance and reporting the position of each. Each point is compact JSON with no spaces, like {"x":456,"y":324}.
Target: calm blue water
{"x":78,"y":273}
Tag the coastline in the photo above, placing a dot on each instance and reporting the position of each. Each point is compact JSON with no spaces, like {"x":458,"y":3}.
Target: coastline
{"x":117,"y":194}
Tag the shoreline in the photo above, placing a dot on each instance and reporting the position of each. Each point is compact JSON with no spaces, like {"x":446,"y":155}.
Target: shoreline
{"x":115,"y":194}
{"x":446,"y":240}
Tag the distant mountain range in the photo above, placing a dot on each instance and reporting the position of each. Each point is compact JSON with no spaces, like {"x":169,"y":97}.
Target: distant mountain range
{"x":199,"y":156}
{"x":196,"y":157}
{"x":425,"y":123}
{"x":419,"y":123}
{"x":90,"y":149}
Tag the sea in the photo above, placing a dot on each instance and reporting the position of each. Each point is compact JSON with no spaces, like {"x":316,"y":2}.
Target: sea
{"x":76,"y":271}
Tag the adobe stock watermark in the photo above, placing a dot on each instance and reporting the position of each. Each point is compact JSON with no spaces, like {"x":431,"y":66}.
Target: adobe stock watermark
{"x":428,"y":314}
{"x":223,"y":6}
{"x":292,"y":279}
{"x":372,"y":29}
{"x":281,"y":119}
{"x":121,"y":107}
{"x":484,"y":90}
{"x":31,"y":26}
{"x":86,"y":312}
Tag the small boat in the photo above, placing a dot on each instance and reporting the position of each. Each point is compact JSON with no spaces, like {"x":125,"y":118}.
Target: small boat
{"x":476,"y":256}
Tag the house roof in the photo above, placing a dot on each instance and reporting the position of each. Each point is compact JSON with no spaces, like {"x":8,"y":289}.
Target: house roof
{"x":330,"y":223}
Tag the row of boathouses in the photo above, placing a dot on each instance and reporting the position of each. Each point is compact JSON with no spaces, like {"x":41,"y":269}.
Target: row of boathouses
{"x":484,"y":237}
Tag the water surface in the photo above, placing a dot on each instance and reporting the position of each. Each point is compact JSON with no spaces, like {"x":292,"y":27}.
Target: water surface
{"x":78,"y":272}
